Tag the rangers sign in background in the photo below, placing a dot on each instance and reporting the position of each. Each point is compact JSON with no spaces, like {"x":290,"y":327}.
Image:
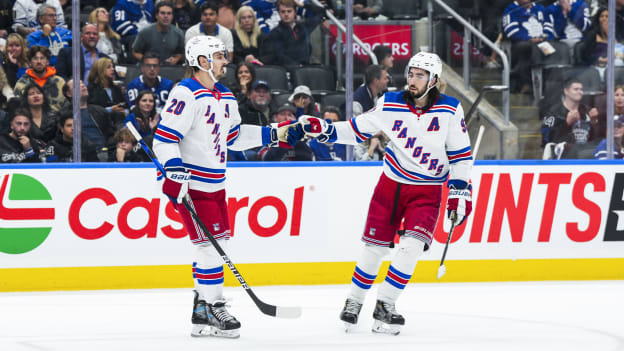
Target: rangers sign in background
{"x":77,"y":228}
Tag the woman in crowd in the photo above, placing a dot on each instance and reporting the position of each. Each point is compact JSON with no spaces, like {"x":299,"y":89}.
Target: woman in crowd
{"x":594,"y":47}
{"x":185,"y":14}
{"x":102,"y":90}
{"x":44,"y":118}
{"x":14,"y":59}
{"x":245,"y":76}
{"x":227,"y":13}
{"x":250,"y":43}
{"x":143,"y":114}
{"x":5,"y":88}
{"x":110,"y":41}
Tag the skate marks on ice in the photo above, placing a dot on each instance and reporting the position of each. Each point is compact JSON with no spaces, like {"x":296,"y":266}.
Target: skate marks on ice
{"x":486,"y":316}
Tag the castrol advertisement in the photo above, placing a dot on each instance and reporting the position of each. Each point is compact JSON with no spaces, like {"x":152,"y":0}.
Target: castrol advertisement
{"x":70,"y":216}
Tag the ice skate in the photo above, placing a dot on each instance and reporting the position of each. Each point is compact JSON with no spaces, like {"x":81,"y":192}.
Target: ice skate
{"x":213,"y":320}
{"x":387,"y":320}
{"x":350,"y":313}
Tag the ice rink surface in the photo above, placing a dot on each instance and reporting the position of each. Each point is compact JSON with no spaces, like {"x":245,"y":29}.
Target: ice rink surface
{"x":449,"y":316}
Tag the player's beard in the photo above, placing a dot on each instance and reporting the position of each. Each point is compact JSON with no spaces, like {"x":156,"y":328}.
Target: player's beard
{"x":416,"y":94}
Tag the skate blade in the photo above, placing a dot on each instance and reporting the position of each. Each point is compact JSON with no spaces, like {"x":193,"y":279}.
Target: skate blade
{"x":349,"y":327}
{"x":384,"y":328}
{"x":200,"y":330}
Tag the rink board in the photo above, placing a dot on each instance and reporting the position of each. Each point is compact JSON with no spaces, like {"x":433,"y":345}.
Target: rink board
{"x":66,"y":227}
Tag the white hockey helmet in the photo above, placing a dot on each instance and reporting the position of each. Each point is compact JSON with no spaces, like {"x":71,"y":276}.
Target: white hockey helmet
{"x":203,"y":45}
{"x":429,"y":62}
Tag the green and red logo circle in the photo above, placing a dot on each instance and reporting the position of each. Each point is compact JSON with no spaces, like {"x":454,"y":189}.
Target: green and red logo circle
{"x":18,"y":231}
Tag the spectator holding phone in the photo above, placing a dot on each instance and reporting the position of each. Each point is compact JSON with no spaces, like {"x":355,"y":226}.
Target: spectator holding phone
{"x":102,"y":90}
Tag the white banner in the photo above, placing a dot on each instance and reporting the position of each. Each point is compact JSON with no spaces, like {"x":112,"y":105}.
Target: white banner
{"x":93,"y":216}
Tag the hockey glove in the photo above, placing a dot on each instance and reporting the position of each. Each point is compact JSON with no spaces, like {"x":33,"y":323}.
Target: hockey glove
{"x":459,"y":200}
{"x":314,"y":127}
{"x":287,"y":135}
{"x":176,"y":180}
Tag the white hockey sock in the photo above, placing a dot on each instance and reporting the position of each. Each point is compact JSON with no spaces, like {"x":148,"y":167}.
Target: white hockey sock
{"x":401,"y":269}
{"x":208,"y":273}
{"x":366,"y":271}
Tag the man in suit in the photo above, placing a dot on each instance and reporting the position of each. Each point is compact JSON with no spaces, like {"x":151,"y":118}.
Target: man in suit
{"x":89,"y":38}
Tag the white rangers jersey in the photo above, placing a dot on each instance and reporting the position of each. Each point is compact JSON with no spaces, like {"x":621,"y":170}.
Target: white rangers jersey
{"x":197,"y":127}
{"x":426,"y":146}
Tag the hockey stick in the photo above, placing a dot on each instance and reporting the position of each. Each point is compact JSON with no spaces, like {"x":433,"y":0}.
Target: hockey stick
{"x":271,"y":310}
{"x":442,"y":268}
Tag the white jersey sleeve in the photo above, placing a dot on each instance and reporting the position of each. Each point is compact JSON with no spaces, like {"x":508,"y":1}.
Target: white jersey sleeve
{"x":360,"y":128}
{"x":458,"y":148}
{"x":243,"y":137}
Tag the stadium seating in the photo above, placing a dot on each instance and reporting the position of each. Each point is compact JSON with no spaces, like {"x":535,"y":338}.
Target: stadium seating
{"x":277,"y":77}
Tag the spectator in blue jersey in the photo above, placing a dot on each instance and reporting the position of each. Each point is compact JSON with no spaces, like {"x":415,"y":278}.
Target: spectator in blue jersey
{"x":149,"y":80}
{"x":89,"y":54}
{"x":375,"y":83}
{"x":250,"y":43}
{"x":570,"y":20}
{"x":329,"y":151}
{"x":53,"y":37}
{"x":162,"y":37}
{"x":525,"y":23}
{"x":208,"y":26}
{"x":266,"y":13}
{"x":291,"y":39}
{"x":601,"y":152}
{"x":25,"y":15}
{"x":129,"y":17}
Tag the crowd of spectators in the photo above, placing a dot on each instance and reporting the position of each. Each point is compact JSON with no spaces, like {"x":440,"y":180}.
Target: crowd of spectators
{"x":36,"y":71}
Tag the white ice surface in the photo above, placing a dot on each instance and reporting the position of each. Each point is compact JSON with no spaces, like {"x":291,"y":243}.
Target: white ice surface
{"x":566,"y":316}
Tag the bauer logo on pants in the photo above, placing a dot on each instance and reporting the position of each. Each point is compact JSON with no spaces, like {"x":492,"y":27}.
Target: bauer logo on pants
{"x":23,"y":226}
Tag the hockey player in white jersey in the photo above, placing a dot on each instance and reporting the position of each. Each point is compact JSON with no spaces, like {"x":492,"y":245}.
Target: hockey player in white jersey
{"x":200,"y":121}
{"x":429,"y":145}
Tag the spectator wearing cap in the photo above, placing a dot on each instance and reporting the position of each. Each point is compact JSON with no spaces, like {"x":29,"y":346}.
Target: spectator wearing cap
{"x":300,"y":152}
{"x":256,"y":110}
{"x":304,"y":102}
{"x":618,"y":133}
{"x":284,"y":113}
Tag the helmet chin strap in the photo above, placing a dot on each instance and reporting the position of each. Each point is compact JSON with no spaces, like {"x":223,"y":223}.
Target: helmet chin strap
{"x":209,"y":71}
{"x":429,"y":87}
